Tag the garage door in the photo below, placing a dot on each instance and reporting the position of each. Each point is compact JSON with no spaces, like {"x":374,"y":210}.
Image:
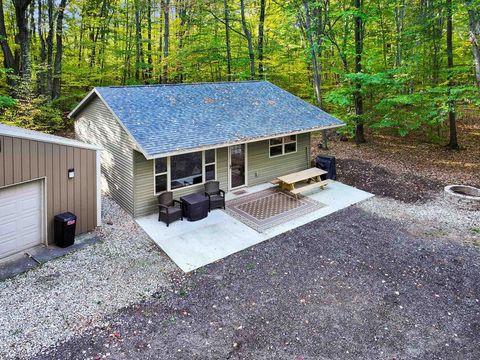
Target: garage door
{"x":21,"y":220}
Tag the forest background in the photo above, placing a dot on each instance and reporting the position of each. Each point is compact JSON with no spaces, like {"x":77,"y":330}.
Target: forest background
{"x":409,"y":66}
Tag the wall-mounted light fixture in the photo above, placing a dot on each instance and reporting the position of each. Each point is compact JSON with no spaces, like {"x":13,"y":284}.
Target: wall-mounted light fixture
{"x":71,"y":173}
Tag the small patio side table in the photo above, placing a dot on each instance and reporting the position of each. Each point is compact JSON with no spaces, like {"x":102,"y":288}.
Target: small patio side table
{"x":195,"y":206}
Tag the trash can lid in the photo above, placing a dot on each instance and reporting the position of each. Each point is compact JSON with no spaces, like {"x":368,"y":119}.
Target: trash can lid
{"x":66,"y":216}
{"x":325,"y":157}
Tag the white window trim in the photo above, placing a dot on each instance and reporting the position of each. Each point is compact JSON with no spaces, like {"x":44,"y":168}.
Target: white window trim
{"x":169,"y":173}
{"x":230,"y":188}
{"x":283,"y":146}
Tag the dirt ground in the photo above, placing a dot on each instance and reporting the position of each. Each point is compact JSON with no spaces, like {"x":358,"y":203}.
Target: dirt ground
{"x":408,"y":169}
{"x":349,"y":286}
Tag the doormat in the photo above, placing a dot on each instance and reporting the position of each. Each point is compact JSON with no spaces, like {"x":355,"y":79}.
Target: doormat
{"x":268,"y":208}
{"x":240,"y":192}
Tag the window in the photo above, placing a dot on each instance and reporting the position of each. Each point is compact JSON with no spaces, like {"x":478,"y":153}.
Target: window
{"x":160,"y":175}
{"x":210,"y":165}
{"x":283,"y":145}
{"x":184,"y":170}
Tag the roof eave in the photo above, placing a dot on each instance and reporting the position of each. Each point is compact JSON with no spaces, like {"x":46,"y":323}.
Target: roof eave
{"x":242,"y":141}
{"x":85,"y":102}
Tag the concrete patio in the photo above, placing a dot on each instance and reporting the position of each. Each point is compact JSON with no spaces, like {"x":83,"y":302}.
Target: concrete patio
{"x":192,"y":245}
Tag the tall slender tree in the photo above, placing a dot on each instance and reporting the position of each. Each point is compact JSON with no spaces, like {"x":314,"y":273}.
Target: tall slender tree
{"x":226,"y":17}
{"x":57,"y":66}
{"x":261,"y":35}
{"x":9,"y":61}
{"x":452,"y":119}
{"x":357,"y":95}
{"x":248,"y":36}
{"x":22,"y":37}
{"x":166,"y":39}
{"x":474,"y":35}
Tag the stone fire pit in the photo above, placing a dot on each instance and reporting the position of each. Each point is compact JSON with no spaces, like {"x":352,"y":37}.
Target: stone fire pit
{"x":466,"y":197}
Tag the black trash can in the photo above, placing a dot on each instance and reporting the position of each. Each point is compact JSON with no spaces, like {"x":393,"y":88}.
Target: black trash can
{"x":64,"y":229}
{"x":327,"y":163}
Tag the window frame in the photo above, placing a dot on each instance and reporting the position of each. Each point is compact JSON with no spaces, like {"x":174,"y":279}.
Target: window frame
{"x":282,"y":145}
{"x":169,"y":173}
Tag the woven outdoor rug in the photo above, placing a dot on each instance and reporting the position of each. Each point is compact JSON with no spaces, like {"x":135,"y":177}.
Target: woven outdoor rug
{"x":268,"y":208}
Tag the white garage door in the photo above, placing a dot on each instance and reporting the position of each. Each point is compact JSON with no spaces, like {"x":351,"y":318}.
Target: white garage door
{"x":21,"y":220}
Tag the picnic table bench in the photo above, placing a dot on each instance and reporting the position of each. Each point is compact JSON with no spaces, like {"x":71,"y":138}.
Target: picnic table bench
{"x":313,"y":175}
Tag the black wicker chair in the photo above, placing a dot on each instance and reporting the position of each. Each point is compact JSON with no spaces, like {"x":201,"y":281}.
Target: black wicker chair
{"x":167,"y":211}
{"x":216,"y":196}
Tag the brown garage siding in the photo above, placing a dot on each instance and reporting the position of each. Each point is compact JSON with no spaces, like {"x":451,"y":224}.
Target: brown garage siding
{"x":24,"y":160}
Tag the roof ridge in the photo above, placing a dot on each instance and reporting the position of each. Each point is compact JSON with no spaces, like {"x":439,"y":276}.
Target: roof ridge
{"x":182,"y":84}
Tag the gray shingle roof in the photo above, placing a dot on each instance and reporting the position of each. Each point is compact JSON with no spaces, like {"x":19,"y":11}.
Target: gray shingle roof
{"x":169,"y":118}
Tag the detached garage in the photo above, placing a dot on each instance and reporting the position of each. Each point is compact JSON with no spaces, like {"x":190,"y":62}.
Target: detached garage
{"x":41,"y":176}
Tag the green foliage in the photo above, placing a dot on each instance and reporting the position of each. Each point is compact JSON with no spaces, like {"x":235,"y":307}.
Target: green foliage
{"x":403,"y":83}
{"x":33,"y":113}
{"x":6,"y":102}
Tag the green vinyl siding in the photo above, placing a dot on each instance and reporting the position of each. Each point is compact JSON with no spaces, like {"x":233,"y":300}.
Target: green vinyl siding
{"x":95,"y":124}
{"x":262,"y":168}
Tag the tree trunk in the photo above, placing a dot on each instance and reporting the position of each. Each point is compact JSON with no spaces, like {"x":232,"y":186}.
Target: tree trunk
{"x":41,"y":74}
{"x":49,"y":43}
{"x":149,"y":38}
{"x":261,"y":26}
{"x":22,"y":37}
{"x":227,"y":39}
{"x":57,"y":67}
{"x":317,"y":77}
{"x":138,"y":41}
{"x":357,"y":95}
{"x":9,"y":61}
{"x":474,"y":25}
{"x":248,"y":36}
{"x":399,"y":25}
{"x":453,"y":144}
{"x":166,"y":39}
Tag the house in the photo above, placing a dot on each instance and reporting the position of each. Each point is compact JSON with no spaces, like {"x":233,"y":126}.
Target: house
{"x":176,"y":137}
{"x":41,"y":176}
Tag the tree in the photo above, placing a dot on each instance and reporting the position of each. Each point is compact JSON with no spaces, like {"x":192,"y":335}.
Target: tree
{"x":226,"y":16}
{"x":452,"y":119}
{"x":248,"y":37}
{"x":57,"y":66}
{"x":22,"y":38}
{"x":474,"y":35}
{"x":166,"y":39}
{"x":9,"y":61}
{"x":261,"y":30}
{"x":357,"y":95}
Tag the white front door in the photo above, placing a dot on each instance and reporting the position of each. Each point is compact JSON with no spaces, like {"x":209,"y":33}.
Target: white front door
{"x":21,"y":217}
{"x":237,"y":160}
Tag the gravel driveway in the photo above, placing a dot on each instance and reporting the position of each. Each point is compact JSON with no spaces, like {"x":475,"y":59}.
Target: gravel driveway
{"x":349,"y":286}
{"x":66,"y":296}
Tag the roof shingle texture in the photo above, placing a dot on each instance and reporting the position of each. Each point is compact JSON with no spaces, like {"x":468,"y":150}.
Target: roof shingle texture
{"x":170,"y":118}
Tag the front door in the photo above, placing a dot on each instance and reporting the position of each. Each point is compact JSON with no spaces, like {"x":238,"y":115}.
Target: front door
{"x":237,"y":166}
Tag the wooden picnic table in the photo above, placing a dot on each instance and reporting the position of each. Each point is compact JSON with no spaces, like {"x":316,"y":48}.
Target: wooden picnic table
{"x":287,"y":182}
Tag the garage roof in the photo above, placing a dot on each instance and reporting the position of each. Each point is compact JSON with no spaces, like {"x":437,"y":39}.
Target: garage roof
{"x":166,"y":119}
{"x":14,"y":131}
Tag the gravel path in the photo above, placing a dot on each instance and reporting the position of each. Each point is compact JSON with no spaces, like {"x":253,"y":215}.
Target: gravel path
{"x":64,"y":297}
{"x":349,"y":286}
